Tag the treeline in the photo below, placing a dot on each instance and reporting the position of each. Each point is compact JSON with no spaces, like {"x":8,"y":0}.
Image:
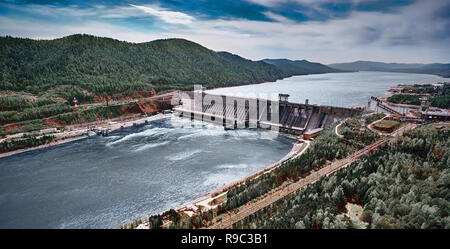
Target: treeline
{"x":19,"y":102}
{"x":24,"y":142}
{"x":95,"y":113}
{"x":406,"y":185}
{"x":405,"y":99}
{"x":438,"y":96}
{"x":23,"y":126}
{"x":104,"y":66}
{"x":428,"y":89}
{"x":439,"y":101}
{"x":19,"y":107}
{"x":62,"y":114}
{"x":34,"y":113}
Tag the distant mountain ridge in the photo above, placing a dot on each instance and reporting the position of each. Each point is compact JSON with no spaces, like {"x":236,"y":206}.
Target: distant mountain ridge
{"x":106,"y":67}
{"x":434,"y":68}
{"x":301,"y":67}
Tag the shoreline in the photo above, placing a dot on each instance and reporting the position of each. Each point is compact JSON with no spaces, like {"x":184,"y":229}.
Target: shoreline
{"x":86,"y":133}
{"x":296,"y":150}
{"x":53,"y":143}
{"x":224,"y":87}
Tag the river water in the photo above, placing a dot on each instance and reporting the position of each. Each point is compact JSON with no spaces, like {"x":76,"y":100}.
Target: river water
{"x":336,"y":89}
{"x":103,"y":182}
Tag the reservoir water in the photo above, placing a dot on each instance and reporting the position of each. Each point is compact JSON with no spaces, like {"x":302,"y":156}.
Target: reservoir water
{"x":103,"y":182}
{"x":336,"y":89}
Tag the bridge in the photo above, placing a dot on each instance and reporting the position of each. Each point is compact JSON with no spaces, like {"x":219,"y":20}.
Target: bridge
{"x":247,"y":112}
{"x":385,"y":107}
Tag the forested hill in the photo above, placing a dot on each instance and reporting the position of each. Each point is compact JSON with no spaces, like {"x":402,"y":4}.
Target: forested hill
{"x":104,"y":66}
{"x":301,"y":67}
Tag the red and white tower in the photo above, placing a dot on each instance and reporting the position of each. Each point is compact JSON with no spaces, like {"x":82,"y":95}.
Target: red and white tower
{"x":75,"y":102}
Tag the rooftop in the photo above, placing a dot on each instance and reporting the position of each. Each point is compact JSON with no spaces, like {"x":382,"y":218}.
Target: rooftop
{"x":313,"y":131}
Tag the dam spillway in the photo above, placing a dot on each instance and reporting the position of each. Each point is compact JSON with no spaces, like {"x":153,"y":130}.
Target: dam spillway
{"x":250,"y":112}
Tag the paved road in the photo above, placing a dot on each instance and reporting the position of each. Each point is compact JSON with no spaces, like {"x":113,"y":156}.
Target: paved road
{"x":336,"y":129}
{"x":229,"y":219}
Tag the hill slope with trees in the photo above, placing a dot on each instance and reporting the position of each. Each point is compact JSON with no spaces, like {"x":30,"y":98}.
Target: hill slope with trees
{"x":104,"y":66}
{"x":40,"y":78}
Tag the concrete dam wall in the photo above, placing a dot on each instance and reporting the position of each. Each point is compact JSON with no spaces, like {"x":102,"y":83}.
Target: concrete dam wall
{"x":242,"y":112}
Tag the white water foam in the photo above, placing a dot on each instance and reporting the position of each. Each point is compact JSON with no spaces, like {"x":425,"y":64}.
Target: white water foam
{"x":223,"y":178}
{"x":148,"y":146}
{"x":146,"y":133}
{"x":204,"y":133}
{"x":233,"y":166}
{"x":183,"y":155}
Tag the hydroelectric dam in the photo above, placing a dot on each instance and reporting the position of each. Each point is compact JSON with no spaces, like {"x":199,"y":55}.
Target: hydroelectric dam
{"x":276,"y":113}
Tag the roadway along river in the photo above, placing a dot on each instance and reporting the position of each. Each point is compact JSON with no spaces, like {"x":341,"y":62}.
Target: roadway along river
{"x":102,"y":182}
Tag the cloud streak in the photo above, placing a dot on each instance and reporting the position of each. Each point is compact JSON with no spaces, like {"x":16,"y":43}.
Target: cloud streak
{"x":412,"y":33}
{"x":167,"y":16}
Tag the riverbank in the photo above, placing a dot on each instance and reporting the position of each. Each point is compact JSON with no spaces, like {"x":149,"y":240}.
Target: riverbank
{"x":82,"y":131}
{"x":14,"y":152}
{"x":297,"y":149}
{"x":206,"y":201}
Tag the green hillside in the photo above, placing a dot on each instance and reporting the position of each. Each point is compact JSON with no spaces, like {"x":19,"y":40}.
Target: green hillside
{"x":104,"y":66}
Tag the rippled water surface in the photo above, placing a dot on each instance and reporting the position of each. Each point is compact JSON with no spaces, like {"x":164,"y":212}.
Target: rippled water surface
{"x":102,"y":182}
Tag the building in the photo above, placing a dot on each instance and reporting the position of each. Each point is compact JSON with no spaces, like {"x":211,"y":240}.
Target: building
{"x":283,"y":97}
{"x":312,"y":133}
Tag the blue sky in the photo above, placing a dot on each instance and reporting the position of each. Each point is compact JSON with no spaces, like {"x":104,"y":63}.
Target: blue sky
{"x":325,"y":31}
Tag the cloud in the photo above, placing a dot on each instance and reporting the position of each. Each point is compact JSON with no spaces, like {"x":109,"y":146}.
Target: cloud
{"x":167,"y":16}
{"x":273,"y":3}
{"x":277,"y":17}
{"x":412,"y":33}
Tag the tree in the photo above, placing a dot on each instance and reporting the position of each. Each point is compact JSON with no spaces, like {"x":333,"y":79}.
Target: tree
{"x":339,"y":197}
{"x":300,"y":225}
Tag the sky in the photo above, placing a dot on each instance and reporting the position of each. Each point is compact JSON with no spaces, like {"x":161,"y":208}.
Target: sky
{"x":325,"y":31}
